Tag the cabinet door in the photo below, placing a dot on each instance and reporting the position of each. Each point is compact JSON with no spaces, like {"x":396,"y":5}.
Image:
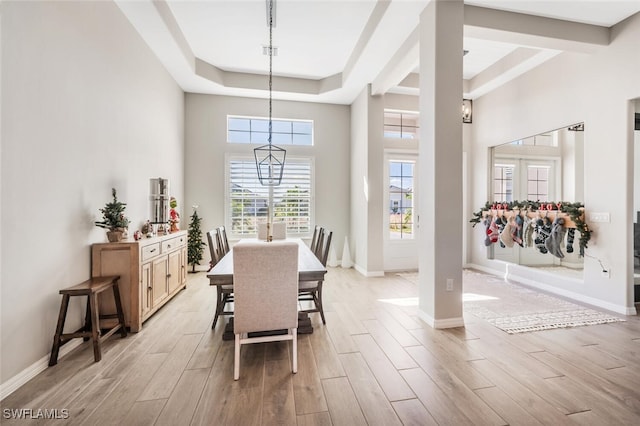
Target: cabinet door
{"x":183,"y":265}
{"x":146,"y":287}
{"x":159,"y":289}
{"x":175,"y":271}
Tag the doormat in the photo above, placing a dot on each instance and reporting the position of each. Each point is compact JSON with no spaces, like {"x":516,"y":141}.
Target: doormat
{"x":514,"y":308}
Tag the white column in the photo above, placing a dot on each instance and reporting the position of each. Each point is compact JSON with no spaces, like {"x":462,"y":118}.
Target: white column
{"x":440,"y":163}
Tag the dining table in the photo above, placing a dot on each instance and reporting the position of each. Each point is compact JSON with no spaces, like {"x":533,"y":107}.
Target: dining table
{"x":309,"y":269}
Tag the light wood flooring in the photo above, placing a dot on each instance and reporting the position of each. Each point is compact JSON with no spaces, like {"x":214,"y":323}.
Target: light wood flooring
{"x":373,"y":363}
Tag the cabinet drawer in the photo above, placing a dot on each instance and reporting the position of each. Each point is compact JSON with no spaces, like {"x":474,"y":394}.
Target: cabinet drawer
{"x":172,"y":244}
{"x":150,"y":251}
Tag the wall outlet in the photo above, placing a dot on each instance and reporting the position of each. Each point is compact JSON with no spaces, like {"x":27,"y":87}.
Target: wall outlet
{"x":449,"y":284}
{"x":606,"y":273}
{"x":599,"y":217}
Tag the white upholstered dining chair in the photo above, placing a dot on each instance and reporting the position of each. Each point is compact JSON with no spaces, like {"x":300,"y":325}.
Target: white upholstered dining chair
{"x":278,"y":230}
{"x":265,"y":282}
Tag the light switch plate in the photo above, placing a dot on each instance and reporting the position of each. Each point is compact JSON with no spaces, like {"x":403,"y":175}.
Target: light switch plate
{"x":599,"y":217}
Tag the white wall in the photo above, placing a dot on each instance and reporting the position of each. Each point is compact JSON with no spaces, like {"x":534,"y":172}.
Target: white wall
{"x":85,"y":106}
{"x":368,"y":146}
{"x":359,"y":180}
{"x":636,"y":168}
{"x":206,"y":146}
{"x":570,"y":88}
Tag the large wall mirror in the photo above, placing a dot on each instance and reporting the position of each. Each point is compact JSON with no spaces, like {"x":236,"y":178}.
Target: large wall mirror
{"x":544,"y":167}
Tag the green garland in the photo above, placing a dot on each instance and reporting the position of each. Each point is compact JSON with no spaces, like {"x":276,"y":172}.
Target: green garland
{"x":572,"y":209}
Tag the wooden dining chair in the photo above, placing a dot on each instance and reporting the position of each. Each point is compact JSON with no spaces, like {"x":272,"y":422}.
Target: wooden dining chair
{"x":265,"y":279}
{"x":312,"y":290}
{"x":224,"y":242}
{"x":319,"y":244}
{"x":212,"y":241}
{"x":224,"y":293}
{"x":314,"y":239}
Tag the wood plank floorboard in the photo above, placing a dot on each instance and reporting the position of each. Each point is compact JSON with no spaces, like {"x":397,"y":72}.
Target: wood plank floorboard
{"x":375,"y":406}
{"x":385,"y":373}
{"x":534,"y":404}
{"x":374,"y":362}
{"x":277,"y":399}
{"x":343,"y":405}
{"x":307,"y":385}
{"x":412,"y":413}
{"x":389,"y":345}
{"x":506,"y":407}
{"x":314,"y":419}
{"x":144,"y":413}
{"x":325,"y":354}
{"x":181,"y":405}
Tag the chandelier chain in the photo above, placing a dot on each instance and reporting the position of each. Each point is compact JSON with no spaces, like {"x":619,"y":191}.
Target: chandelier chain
{"x":270,"y":66}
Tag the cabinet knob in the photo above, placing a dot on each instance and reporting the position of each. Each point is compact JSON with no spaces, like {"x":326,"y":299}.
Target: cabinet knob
{"x":168,"y":275}
{"x":168,"y":245}
{"x":152,"y":250}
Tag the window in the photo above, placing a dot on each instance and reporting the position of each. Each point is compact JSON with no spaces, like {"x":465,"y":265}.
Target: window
{"x":248,"y":201}
{"x":401,"y":124}
{"x":401,"y":174}
{"x":256,"y":131}
{"x":538,"y":183}
{"x":544,"y":139}
{"x":503,"y":182}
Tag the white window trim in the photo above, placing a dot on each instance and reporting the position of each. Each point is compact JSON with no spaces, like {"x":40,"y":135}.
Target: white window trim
{"x":402,"y":111}
{"x":520,"y":174}
{"x":253,"y":117}
{"x":227,"y":193}
{"x":406,"y":156}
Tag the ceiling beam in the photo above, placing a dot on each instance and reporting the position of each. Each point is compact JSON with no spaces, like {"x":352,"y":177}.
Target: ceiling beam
{"x":403,"y":62}
{"x":506,"y":69}
{"x":533,"y":31}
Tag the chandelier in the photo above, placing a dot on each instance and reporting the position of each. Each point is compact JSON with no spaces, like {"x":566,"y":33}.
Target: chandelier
{"x":270,"y":158}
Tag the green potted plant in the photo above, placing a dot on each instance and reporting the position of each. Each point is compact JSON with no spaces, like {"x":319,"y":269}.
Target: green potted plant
{"x":113,"y":218}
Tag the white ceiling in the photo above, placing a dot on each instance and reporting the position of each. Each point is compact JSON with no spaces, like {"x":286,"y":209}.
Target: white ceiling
{"x":329,"y":50}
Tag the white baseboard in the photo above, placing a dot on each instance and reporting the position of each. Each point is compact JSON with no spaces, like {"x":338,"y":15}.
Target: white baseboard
{"x":509,"y":273}
{"x":485,"y":269}
{"x":11,"y":385}
{"x":624,"y":310}
{"x":440,"y":323}
{"x":368,"y":274}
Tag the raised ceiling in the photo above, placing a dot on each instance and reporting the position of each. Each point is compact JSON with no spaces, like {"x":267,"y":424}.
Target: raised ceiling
{"x":329,"y":50}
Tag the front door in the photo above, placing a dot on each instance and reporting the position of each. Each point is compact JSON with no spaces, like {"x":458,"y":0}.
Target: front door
{"x":400,"y":213}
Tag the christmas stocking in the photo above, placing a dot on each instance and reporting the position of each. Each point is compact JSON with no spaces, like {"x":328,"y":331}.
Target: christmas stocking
{"x":516,"y":230}
{"x":505,"y":235}
{"x":571,"y":233}
{"x":487,"y":226}
{"x":527,"y":232}
{"x":501,"y":222}
{"x":543,"y":230}
{"x":556,"y":236}
{"x":493,"y":231}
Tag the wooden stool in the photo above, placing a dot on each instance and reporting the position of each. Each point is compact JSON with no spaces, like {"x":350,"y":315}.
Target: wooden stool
{"x":91,"y":329}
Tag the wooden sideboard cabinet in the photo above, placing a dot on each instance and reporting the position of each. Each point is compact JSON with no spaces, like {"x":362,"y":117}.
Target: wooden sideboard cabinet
{"x":152,"y":271}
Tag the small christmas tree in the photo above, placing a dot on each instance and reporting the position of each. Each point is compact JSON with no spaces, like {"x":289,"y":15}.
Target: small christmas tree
{"x":195,"y":245}
{"x":113,"y":217}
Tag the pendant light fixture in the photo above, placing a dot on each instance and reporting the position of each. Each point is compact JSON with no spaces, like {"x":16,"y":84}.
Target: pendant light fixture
{"x":270,"y":158}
